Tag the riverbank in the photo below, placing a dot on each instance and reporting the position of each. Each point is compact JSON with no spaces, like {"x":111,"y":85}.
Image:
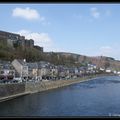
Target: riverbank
{"x":47,"y":85}
{"x":11,"y":91}
{"x":13,"y":96}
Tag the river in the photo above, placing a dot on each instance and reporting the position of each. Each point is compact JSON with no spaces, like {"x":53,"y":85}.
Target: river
{"x":97,"y":97}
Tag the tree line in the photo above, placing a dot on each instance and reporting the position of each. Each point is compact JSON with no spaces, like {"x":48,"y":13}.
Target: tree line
{"x":34,"y":55}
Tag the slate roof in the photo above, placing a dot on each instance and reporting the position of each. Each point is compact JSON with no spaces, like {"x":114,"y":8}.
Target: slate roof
{"x":21,"y":62}
{"x":32,"y":66}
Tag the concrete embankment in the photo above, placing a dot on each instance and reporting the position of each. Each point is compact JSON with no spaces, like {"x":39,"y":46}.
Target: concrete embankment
{"x":9,"y":91}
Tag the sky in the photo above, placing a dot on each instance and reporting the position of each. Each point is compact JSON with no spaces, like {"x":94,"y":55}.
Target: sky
{"x":86,"y":29}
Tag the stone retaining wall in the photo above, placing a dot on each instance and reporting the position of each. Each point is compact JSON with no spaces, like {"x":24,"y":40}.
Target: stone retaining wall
{"x":17,"y":89}
{"x":45,"y":85}
{"x":11,"y":89}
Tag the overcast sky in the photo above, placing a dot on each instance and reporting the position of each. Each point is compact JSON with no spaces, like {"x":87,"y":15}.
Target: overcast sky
{"x":87,"y":29}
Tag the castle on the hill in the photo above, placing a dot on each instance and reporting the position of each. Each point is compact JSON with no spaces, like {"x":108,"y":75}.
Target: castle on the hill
{"x":14,"y":40}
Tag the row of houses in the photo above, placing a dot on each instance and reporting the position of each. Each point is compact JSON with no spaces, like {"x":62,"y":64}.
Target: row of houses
{"x":110,"y":70}
{"x":44,"y":70}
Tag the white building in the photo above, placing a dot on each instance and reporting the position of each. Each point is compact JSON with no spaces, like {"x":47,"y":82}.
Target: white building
{"x":108,"y":71}
{"x":21,"y":67}
{"x":102,"y":69}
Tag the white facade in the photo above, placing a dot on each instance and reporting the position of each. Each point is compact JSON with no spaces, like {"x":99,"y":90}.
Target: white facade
{"x":20,"y":68}
{"x":115,"y":72}
{"x":108,"y":70}
{"x":118,"y":72}
{"x":102,"y":69}
{"x":42,"y":72}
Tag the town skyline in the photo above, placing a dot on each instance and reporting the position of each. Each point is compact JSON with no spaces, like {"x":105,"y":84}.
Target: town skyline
{"x":85,"y":29}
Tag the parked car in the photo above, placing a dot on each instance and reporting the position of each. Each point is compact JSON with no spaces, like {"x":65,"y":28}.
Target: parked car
{"x":14,"y":81}
{"x":5,"y":81}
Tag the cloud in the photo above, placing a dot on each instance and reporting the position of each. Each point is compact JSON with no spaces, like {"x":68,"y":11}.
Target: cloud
{"x":95,"y":13}
{"x":27,"y":13}
{"x":40,"y":39}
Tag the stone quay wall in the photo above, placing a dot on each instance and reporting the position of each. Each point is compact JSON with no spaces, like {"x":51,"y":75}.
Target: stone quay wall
{"x":46,"y":85}
{"x":9,"y":91}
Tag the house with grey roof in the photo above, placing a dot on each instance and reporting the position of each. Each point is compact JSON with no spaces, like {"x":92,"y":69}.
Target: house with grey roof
{"x":32,"y":70}
{"x":53,"y":70}
{"x":6,"y":71}
{"x":21,"y":67}
{"x":43,"y":69}
{"x":61,"y":71}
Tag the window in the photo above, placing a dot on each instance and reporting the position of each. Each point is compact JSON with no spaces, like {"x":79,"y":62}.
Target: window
{"x":25,"y":67}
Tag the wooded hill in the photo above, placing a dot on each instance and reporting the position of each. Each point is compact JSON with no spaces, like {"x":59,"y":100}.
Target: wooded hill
{"x":57,"y":58}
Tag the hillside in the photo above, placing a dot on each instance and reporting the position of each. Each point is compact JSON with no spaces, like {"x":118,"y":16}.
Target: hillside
{"x":10,"y":53}
{"x":100,"y":61}
{"x":32,"y":55}
{"x":57,"y":58}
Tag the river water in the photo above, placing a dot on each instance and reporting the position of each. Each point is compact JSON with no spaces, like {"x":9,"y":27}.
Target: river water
{"x":97,"y":97}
